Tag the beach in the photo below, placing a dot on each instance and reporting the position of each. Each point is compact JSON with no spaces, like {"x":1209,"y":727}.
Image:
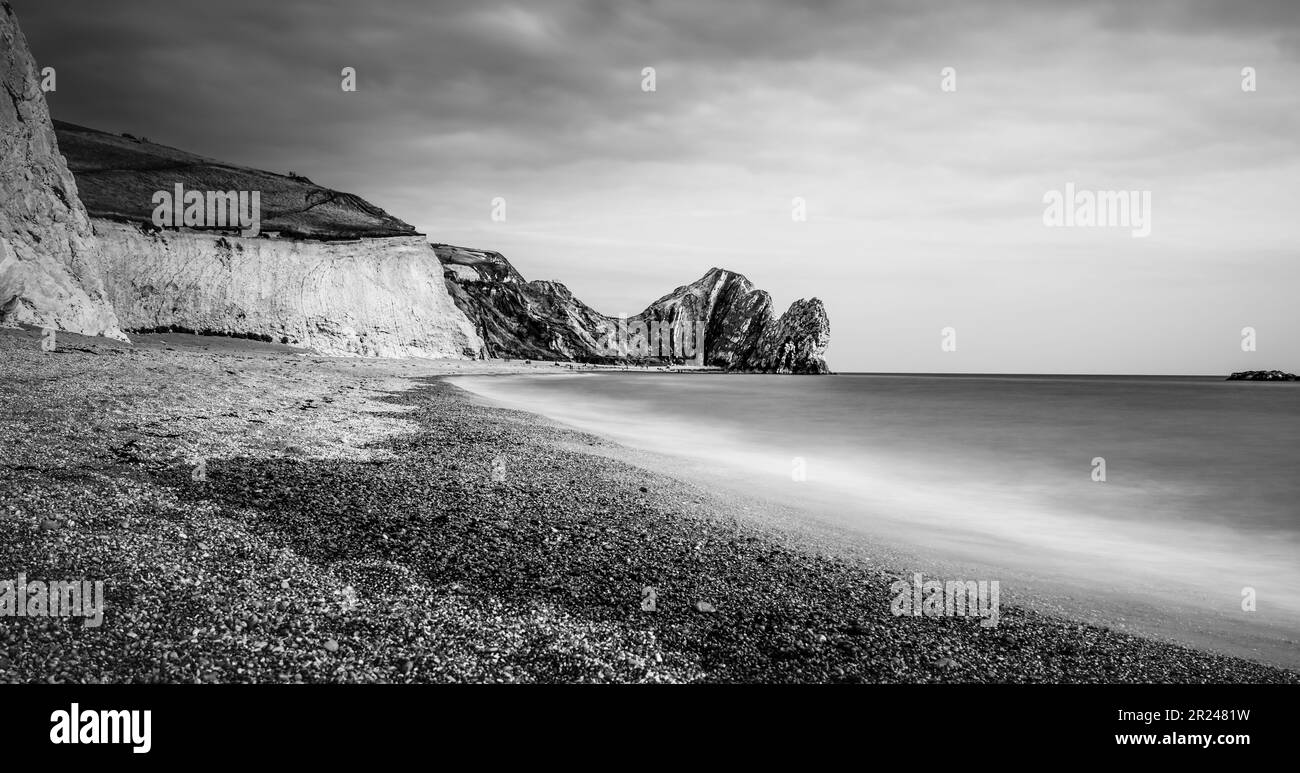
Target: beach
{"x":261,"y":514}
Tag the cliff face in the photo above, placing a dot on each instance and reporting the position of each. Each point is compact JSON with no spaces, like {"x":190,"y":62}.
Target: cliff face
{"x":740,"y":332}
{"x":795,"y":343}
{"x":370,"y":297}
{"x":727,"y":307}
{"x":542,"y":320}
{"x":50,"y":269}
{"x":517,"y":318}
{"x":328,"y":270}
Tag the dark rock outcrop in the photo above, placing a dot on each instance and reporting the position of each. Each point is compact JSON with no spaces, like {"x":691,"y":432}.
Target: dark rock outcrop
{"x":1261,"y":375}
{"x":727,"y":307}
{"x":51,"y":272}
{"x":542,"y":320}
{"x":794,"y":343}
{"x":517,"y":318}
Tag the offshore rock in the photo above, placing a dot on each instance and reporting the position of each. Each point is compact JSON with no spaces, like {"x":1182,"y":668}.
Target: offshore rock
{"x":1261,"y":375}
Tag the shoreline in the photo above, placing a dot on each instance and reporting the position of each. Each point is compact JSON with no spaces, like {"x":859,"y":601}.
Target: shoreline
{"x":831,"y":521}
{"x":374,"y":522}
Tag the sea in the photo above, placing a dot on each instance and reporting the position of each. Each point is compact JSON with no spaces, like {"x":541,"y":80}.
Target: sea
{"x":1165,"y":506}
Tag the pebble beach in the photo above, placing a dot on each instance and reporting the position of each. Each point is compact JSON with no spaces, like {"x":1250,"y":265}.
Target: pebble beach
{"x":261,"y":514}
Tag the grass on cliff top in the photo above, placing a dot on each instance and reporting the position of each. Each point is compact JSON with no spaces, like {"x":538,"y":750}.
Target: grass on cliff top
{"x":117,"y":177}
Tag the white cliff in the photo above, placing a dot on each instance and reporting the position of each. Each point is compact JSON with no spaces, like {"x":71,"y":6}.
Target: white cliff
{"x":382,"y":297}
{"x":50,"y":270}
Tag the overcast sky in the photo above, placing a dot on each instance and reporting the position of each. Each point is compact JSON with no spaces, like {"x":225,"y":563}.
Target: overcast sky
{"x":924,"y":206}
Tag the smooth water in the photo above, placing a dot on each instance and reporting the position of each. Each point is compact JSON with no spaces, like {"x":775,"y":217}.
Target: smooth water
{"x":1201,"y":497}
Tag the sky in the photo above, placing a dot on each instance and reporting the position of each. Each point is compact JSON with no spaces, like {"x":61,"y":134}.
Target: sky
{"x":923,"y":197}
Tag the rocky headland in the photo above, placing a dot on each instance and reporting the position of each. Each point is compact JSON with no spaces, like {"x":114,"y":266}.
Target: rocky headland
{"x":543,"y":320}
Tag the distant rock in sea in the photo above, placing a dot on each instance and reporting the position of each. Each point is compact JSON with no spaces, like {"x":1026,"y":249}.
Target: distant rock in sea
{"x":1261,"y":375}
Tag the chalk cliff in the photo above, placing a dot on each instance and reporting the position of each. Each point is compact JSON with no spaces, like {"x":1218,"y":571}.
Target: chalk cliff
{"x":369,"y":297}
{"x":50,"y":269}
{"x":329,"y":270}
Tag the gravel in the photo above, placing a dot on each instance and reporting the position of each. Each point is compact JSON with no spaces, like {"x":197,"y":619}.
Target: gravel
{"x":353,"y":523}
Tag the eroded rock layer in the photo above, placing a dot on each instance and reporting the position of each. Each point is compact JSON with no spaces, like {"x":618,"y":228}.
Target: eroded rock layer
{"x":542,"y":320}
